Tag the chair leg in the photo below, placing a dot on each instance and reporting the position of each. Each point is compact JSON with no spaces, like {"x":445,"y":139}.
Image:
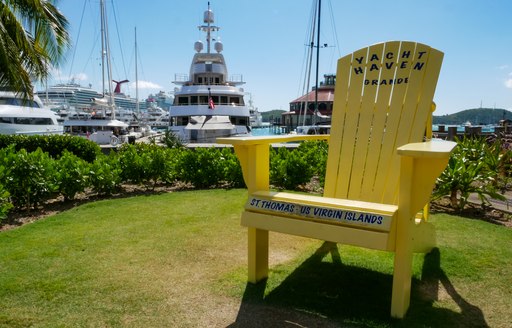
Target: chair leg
{"x":402,"y":276}
{"x":257,"y":254}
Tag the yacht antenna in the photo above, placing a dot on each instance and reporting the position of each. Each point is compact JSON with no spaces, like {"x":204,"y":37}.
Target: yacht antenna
{"x":208,"y":28}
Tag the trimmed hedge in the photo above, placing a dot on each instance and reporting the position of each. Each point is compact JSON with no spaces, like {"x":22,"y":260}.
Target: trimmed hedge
{"x":54,"y":145}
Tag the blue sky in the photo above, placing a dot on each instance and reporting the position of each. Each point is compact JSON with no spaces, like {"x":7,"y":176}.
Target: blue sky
{"x":265,"y":41}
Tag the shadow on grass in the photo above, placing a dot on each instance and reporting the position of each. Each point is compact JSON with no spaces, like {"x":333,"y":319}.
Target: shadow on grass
{"x":331,"y":294}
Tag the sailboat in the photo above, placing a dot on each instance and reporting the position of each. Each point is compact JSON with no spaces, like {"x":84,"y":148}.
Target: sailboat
{"x":320,"y":99}
{"x":101,"y":128}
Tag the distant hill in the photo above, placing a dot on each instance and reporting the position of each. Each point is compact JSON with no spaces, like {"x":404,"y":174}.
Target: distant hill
{"x":271,"y":114}
{"x":477,"y":116}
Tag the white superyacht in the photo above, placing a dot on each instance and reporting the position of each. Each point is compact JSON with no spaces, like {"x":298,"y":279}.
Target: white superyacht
{"x":209,"y":104}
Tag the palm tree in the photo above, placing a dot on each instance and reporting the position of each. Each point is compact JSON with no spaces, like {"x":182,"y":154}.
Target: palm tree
{"x":33,"y":38}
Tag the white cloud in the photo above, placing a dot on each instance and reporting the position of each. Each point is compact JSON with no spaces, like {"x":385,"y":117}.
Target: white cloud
{"x":502,"y":67}
{"x":508,"y":83}
{"x":146,"y":85}
{"x":79,"y":77}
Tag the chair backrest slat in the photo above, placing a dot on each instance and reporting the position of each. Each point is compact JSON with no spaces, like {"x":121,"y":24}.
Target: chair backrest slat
{"x":382,"y":101}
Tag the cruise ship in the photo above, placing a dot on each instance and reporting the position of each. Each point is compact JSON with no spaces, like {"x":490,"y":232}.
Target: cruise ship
{"x":75,"y":97}
{"x":208,"y":103}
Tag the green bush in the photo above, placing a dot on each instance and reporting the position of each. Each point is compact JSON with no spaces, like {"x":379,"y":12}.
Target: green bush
{"x":159,"y":162}
{"x":54,"y":145}
{"x":315,"y":155}
{"x":131,"y":164}
{"x":232,"y":170}
{"x":171,"y":140}
{"x":72,"y":175}
{"x":203,"y":167}
{"x":5,"y":203}
{"x":472,"y":168}
{"x":28,"y":177}
{"x":105,"y":174}
{"x":289,"y":168}
{"x":148,"y":164}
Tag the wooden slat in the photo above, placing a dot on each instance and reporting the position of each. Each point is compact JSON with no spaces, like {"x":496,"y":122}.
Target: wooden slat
{"x":328,"y":232}
{"x":349,"y":133}
{"x":337,"y":123}
{"x":371,"y":168}
{"x":364,"y":126}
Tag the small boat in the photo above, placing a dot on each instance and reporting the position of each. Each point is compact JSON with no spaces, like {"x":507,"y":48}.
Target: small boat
{"x":209,"y":104}
{"x":28,"y":117}
{"x":102,"y":126}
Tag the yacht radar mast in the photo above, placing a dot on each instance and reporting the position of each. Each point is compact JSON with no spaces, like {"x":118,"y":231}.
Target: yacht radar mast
{"x":208,"y":28}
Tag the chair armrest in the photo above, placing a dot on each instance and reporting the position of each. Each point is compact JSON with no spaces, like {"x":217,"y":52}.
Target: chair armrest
{"x":270,"y":139}
{"x":253,"y":155}
{"x":420,"y":166}
{"x":429,"y":149}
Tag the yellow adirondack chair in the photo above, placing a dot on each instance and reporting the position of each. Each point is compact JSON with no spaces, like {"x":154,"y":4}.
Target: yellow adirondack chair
{"x":380,"y":172}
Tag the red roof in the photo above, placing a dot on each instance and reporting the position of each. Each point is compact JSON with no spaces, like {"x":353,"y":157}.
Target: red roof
{"x":324,"y":95}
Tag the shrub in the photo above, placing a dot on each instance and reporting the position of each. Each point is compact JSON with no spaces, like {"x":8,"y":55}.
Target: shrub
{"x":471,"y":169}
{"x":72,"y":175}
{"x":54,"y":145}
{"x":203,"y":167}
{"x":131,"y":164}
{"x":29,"y":177}
{"x":171,"y":140}
{"x":315,"y":154}
{"x":232,"y":169}
{"x":105,"y":174}
{"x":5,"y":203}
{"x":289,"y":169}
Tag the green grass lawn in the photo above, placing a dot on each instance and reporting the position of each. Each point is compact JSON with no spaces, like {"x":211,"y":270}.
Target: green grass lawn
{"x":179,"y":260}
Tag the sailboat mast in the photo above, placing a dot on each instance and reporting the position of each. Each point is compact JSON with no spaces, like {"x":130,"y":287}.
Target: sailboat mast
{"x":103,"y":54}
{"x":137,"y":109}
{"x":317,"y":60}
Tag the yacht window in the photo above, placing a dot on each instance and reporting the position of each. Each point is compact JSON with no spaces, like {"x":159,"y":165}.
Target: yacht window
{"x":234,"y":100}
{"x":217,"y":80}
{"x":182,"y":100}
{"x":203,"y":100}
{"x":33,"y":120}
{"x":6,"y":120}
{"x":224,"y":99}
{"x":193,"y":100}
{"x":18,"y":102}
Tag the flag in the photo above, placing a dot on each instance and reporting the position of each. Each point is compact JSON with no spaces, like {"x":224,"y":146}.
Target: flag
{"x":211,"y":105}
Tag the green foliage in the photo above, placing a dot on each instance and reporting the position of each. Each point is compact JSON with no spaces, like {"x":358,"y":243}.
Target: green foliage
{"x":232,"y":169}
{"x":132,"y":165}
{"x":472,"y":168}
{"x":105,"y":174}
{"x":5,"y":203}
{"x":159,"y":162}
{"x":171,"y":140}
{"x":148,"y":163}
{"x":203,"y":167}
{"x":289,"y":169}
{"x":72,"y":175}
{"x":54,"y":145}
{"x":28,"y":177}
{"x":315,"y":154}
